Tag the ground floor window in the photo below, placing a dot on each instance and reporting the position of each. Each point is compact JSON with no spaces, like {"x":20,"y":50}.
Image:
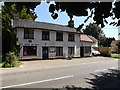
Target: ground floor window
{"x":29,"y":50}
{"x":87,"y":49}
{"x":71,"y":50}
{"x":59,"y":51}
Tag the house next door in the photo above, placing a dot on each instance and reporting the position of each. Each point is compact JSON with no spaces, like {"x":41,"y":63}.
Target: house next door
{"x":45,"y":53}
{"x":82,"y":51}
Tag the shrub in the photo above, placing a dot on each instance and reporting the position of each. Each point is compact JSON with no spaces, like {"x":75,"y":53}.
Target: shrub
{"x":106,"y":54}
{"x":11,"y":60}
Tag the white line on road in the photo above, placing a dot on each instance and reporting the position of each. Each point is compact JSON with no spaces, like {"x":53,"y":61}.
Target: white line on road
{"x":38,"y":81}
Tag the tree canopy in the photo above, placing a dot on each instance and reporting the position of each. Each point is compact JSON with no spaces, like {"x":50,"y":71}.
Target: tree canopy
{"x":94,"y":30}
{"x":97,"y":32}
{"x":25,"y":11}
{"x":100,"y":11}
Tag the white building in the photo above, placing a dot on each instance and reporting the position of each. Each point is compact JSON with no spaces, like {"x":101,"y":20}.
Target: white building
{"x":40,"y":40}
{"x":95,"y":41}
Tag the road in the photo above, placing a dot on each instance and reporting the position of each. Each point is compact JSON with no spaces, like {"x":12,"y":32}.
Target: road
{"x":59,"y":76}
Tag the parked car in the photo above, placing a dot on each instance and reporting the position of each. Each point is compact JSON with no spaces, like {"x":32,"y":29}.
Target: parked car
{"x":95,"y":52}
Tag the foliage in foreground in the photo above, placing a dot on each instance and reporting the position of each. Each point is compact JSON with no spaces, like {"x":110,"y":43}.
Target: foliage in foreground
{"x":11,"y":60}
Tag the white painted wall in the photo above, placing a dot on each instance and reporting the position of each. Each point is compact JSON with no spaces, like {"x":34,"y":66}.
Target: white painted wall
{"x":95,"y":44}
{"x":52,"y":42}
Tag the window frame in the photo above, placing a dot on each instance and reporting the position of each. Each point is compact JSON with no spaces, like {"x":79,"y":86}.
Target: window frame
{"x":59,"y":36}
{"x":87,"y":49}
{"x":71,"y":50}
{"x":71,"y":37}
{"x":46,"y":35}
{"x":28,"y":33}
{"x":30,"y":50}
{"x":59,"y":51}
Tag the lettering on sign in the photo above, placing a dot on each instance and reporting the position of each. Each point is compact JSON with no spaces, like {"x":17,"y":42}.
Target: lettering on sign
{"x":27,"y":44}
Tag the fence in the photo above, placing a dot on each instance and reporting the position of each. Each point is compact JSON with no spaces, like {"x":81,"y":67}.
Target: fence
{"x":103,"y":49}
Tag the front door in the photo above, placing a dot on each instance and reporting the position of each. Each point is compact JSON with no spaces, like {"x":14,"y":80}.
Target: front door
{"x":45,"y":53}
{"x":82,"y":51}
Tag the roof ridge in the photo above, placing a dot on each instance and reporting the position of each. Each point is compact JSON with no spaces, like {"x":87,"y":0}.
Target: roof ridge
{"x":47,"y":23}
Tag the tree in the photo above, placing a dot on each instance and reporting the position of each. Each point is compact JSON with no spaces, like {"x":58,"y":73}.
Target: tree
{"x":108,"y":41}
{"x":118,"y":45}
{"x":93,"y":30}
{"x":99,"y":10}
{"x":25,"y":11}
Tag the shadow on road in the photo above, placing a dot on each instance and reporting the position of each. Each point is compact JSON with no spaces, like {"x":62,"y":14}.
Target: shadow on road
{"x":101,"y":81}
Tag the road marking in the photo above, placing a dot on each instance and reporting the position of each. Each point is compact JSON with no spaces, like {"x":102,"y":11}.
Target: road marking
{"x":38,"y":81}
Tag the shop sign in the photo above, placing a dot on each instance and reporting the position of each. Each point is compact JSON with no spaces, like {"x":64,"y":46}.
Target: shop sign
{"x":51,"y":49}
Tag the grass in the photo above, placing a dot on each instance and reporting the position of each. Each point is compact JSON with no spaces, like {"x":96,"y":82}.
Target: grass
{"x":1,"y":64}
{"x":118,"y":57}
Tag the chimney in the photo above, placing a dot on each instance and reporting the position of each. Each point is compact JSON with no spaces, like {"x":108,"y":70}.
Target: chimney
{"x":71,"y":23}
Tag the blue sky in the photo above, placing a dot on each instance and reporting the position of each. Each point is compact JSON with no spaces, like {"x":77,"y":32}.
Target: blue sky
{"x":43,"y":14}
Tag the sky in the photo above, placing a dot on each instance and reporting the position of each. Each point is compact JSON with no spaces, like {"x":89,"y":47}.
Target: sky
{"x":43,"y":14}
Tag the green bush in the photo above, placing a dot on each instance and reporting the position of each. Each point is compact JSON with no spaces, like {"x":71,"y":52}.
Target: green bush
{"x":106,"y":54}
{"x":11,"y":60}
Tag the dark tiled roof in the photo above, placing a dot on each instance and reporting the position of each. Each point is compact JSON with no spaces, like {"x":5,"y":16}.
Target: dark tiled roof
{"x":41,"y":25}
{"x":85,"y":38}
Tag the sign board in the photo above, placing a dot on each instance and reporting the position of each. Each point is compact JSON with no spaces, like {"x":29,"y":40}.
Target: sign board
{"x":52,"y":49}
{"x":30,"y":44}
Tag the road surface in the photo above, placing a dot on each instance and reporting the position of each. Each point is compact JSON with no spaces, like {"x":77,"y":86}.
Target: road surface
{"x":59,"y":76}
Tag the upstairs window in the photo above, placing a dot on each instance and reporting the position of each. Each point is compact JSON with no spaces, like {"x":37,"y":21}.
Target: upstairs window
{"x":71,"y":37}
{"x":59,"y":36}
{"x":45,"y":35}
{"x":28,"y":33}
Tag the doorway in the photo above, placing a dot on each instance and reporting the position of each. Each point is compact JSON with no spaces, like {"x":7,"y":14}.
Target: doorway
{"x":82,"y":51}
{"x":45,"y":53}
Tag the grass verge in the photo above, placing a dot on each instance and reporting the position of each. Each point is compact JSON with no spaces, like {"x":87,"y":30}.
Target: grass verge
{"x":1,"y":64}
{"x":118,"y":57}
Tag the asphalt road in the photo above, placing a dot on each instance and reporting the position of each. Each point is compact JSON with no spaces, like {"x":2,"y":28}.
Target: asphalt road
{"x":58,"y":77}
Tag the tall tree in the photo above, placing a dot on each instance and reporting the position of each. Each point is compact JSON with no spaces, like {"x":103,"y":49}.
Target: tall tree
{"x":25,"y":11}
{"x":108,"y":41}
{"x":94,"y":30}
